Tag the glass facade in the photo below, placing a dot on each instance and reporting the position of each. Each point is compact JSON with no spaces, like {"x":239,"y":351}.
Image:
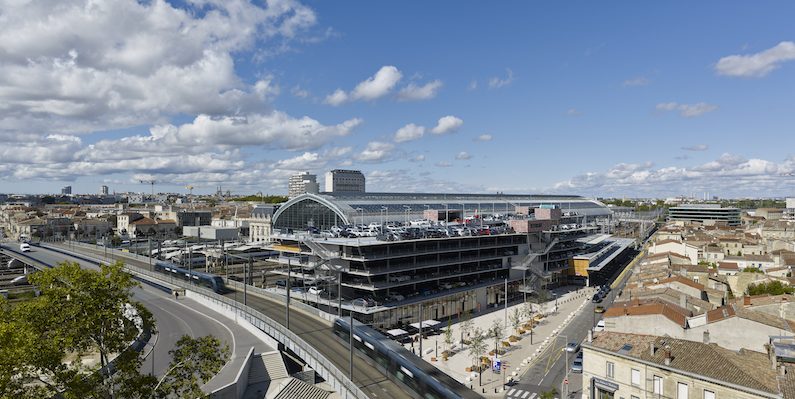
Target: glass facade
{"x":305,"y":214}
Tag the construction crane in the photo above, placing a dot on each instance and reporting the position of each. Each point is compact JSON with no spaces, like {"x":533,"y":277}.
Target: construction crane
{"x":151,"y":183}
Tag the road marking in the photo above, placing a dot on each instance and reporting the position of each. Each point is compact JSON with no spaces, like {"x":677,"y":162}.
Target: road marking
{"x":533,"y":395}
{"x":511,"y":392}
{"x":525,"y":395}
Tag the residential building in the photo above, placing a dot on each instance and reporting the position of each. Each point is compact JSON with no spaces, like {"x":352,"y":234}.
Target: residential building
{"x":211,"y":233}
{"x":789,"y":211}
{"x":66,"y":190}
{"x":104,"y":190}
{"x":634,"y":366}
{"x":706,"y":214}
{"x":259,"y":225}
{"x":345,"y":181}
{"x":302,"y":183}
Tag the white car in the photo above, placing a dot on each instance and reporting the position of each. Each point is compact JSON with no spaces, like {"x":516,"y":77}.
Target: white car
{"x":600,"y":326}
{"x":315,"y":290}
{"x":24,"y":247}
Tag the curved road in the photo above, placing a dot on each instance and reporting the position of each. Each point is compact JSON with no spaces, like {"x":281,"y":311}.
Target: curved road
{"x":175,"y":319}
{"x":316,"y":333}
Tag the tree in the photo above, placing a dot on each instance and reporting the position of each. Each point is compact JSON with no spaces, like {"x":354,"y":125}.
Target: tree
{"x":466,"y":325}
{"x":495,"y":332}
{"x":94,"y":308}
{"x":516,"y":318}
{"x":774,"y":287}
{"x":552,"y":393}
{"x":193,"y":363}
{"x":448,"y":334}
{"x":477,"y":345}
{"x":42,"y":351}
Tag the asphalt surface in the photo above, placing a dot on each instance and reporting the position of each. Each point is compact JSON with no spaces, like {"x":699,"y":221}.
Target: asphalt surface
{"x":173,"y":320}
{"x":320,"y":336}
{"x":551,"y":368}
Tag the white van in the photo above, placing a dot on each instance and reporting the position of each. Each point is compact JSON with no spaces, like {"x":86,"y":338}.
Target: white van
{"x":24,"y":247}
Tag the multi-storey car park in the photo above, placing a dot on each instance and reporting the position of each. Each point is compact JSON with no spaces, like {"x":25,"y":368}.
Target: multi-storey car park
{"x":394,"y":255}
{"x":705,"y":214}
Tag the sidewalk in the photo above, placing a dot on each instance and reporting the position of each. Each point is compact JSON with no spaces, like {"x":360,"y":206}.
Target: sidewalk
{"x":518,"y":356}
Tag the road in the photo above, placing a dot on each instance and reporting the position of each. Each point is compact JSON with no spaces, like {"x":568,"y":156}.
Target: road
{"x":173,"y":320}
{"x":320,"y":336}
{"x":549,"y":371}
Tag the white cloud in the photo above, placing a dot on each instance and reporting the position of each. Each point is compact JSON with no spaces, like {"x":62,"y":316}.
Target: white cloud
{"x":376,"y":151}
{"x":443,"y":164}
{"x":573,"y":112}
{"x":484,"y":137}
{"x":447,"y":124}
{"x":338,"y":97}
{"x":266,"y":89}
{"x":298,"y":91}
{"x":758,"y":64}
{"x":374,"y":87}
{"x":687,"y":110}
{"x":72,"y":68}
{"x":636,"y":81}
{"x":498,"y":82}
{"x":402,"y":180}
{"x":697,"y":147}
{"x":305,"y":161}
{"x":729,"y":174}
{"x":417,"y":158}
{"x":409,"y":132}
{"x":413,"y":92}
{"x":463,"y":156}
{"x":473,"y":85}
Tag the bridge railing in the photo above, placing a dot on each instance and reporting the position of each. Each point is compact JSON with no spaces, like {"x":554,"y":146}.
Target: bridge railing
{"x":316,"y":360}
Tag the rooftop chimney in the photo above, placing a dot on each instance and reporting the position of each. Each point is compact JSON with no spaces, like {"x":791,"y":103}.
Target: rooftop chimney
{"x":706,"y":336}
{"x":668,"y":357}
{"x":651,"y":348}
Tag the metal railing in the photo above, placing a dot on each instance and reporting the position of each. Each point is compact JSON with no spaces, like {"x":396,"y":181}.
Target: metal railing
{"x":316,"y":360}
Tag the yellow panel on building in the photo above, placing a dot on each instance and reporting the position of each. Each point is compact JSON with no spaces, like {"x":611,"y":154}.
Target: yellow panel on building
{"x":580,"y":267}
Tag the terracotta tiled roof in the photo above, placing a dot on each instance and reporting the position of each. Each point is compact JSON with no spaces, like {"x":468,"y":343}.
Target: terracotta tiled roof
{"x":683,"y":280}
{"x":636,"y":307}
{"x":745,"y":368}
{"x":728,"y":266}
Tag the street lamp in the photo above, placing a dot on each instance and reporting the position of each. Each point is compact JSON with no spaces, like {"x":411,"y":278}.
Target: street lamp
{"x":563,"y":384}
{"x":408,"y":210}
{"x":362,"y":212}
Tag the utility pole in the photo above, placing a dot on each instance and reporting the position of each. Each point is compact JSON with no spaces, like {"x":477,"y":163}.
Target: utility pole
{"x":351,"y":346}
{"x":506,"y":303}
{"x":420,"y":330}
{"x":287,"y":304}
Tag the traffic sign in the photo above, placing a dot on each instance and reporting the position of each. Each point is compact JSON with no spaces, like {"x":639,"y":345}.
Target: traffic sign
{"x":566,"y":381}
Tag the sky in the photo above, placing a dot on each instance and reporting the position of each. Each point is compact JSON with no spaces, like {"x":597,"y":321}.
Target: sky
{"x":608,"y":99}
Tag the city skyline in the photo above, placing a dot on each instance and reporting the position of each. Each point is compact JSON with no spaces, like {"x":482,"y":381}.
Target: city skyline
{"x":629,"y":100}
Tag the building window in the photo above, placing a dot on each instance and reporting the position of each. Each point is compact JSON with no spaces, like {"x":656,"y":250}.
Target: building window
{"x":709,"y":394}
{"x":658,"y":385}
{"x":681,"y":391}
{"x":635,"y":377}
{"x":611,"y":370}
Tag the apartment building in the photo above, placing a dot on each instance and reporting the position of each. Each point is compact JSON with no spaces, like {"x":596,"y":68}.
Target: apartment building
{"x":301,"y":183}
{"x":634,"y":366}
{"x":345,"y":181}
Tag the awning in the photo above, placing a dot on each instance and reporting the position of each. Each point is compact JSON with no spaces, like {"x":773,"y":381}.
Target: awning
{"x":397,"y":332}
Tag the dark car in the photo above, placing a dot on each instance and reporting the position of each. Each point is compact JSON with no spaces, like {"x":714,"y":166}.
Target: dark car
{"x":597,"y":298}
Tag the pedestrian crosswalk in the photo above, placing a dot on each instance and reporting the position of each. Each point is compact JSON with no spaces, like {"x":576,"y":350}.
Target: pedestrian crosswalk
{"x":521,"y":394}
